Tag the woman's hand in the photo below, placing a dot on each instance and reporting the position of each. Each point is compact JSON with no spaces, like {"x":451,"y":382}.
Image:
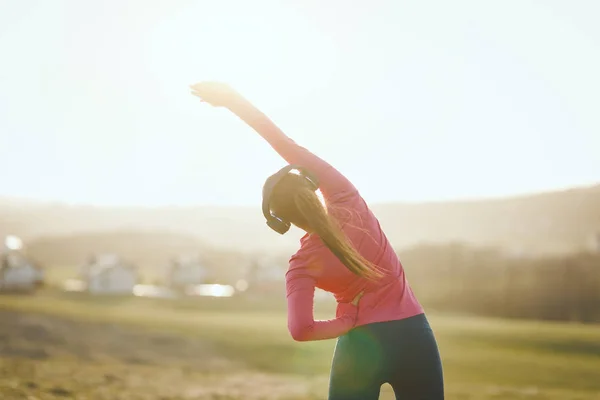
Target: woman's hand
{"x":357,"y":298}
{"x":216,"y":94}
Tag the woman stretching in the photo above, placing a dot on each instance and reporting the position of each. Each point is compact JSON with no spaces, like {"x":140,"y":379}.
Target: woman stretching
{"x":383,"y":333}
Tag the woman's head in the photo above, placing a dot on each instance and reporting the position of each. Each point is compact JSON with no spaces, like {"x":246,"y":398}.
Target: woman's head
{"x":289,"y":194}
{"x":294,"y":200}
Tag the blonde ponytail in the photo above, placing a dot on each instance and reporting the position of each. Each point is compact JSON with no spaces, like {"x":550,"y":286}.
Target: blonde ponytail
{"x":315,"y":215}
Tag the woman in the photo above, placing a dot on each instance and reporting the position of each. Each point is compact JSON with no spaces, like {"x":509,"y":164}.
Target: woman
{"x":383,"y":333}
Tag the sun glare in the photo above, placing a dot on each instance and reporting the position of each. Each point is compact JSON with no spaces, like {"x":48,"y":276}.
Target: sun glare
{"x":12,"y":242}
{"x":264,"y":51}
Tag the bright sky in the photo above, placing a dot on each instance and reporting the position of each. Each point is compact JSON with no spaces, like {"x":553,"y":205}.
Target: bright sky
{"x":412,"y":100}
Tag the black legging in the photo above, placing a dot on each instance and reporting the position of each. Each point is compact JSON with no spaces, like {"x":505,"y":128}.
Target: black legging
{"x":403,"y":353}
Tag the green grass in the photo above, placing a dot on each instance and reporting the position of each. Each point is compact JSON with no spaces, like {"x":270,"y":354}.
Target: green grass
{"x":483,"y":358}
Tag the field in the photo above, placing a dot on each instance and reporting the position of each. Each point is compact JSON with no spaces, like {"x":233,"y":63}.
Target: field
{"x":57,"y":346}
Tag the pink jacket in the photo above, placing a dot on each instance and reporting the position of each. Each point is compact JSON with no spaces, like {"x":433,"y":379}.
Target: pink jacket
{"x":315,"y":266}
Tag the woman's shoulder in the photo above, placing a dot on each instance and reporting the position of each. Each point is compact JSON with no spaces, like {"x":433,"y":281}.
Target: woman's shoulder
{"x":311,"y":246}
{"x":310,"y":258}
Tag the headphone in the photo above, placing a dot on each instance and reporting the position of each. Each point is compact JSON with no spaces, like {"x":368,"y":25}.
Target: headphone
{"x":274,"y":222}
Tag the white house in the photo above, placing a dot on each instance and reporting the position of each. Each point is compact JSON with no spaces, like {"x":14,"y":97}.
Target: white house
{"x":17,"y":273}
{"x":186,"y":271}
{"x":108,"y":274}
{"x":265,"y":277}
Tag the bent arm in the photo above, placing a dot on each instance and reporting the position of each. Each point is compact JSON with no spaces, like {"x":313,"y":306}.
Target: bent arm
{"x":332,"y":181}
{"x":301,"y":323}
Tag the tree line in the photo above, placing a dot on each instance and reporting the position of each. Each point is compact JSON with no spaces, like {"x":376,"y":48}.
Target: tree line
{"x":457,"y":278}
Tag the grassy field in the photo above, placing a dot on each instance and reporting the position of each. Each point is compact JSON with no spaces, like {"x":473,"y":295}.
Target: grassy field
{"x":58,"y":346}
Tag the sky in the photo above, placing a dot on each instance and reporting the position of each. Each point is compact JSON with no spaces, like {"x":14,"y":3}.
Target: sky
{"x":412,"y":101}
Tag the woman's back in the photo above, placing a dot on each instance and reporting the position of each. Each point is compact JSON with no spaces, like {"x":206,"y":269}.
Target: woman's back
{"x":385,"y":299}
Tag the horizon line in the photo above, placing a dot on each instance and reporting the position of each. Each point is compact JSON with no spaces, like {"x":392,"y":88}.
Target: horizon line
{"x":15,"y":200}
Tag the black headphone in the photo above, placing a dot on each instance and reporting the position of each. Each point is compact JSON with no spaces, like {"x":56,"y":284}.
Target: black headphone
{"x":276,"y":223}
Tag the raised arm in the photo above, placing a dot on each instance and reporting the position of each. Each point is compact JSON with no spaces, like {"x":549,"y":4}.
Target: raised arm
{"x":220,"y":95}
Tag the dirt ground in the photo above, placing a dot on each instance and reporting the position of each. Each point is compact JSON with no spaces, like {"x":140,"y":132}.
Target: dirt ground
{"x":44,"y":357}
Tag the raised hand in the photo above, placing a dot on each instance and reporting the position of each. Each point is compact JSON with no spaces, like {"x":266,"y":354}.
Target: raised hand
{"x":216,"y":94}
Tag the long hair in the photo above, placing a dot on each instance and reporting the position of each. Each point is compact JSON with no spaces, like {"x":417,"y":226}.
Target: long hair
{"x":293,"y":200}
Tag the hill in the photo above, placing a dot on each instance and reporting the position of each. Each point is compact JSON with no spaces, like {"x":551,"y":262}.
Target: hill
{"x":552,"y":222}
{"x":541,"y":223}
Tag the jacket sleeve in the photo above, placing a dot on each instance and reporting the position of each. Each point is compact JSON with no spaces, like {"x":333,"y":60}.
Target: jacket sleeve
{"x":332,"y":182}
{"x":300,"y":289}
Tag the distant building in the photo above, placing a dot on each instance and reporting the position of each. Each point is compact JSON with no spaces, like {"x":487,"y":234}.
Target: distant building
{"x":186,"y":271}
{"x":265,"y":277}
{"x":108,"y":274}
{"x":40,"y":273}
{"x":266,"y":270}
{"x":17,"y":273}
